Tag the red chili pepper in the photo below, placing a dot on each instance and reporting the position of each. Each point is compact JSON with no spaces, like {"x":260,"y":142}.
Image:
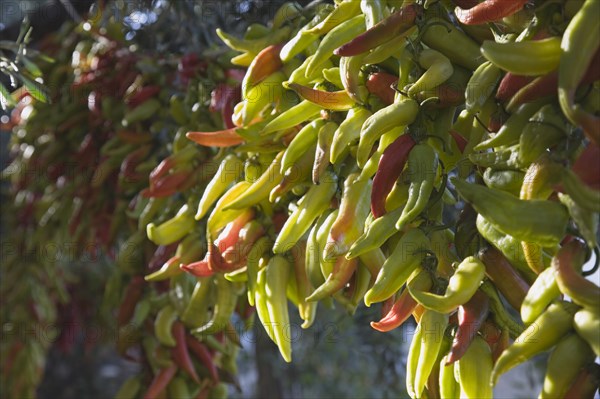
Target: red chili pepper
{"x":461,"y":142}
{"x":384,"y":31}
{"x":198,"y":269}
{"x":167,"y":185}
{"x":133,"y":293}
{"x":502,"y":342}
{"x":471,"y":316}
{"x":221,"y":138}
{"x":489,"y":11}
{"x":161,"y":255}
{"x":448,"y":95}
{"x":264,"y":64}
{"x":566,"y":264}
{"x":131,"y":161}
{"x":180,"y":352}
{"x":219,"y":96}
{"x":398,"y":314}
{"x":510,"y":283}
{"x":547,"y":85}
{"x":235,"y":74}
{"x":160,"y":382}
{"x":511,"y":84}
{"x":142,"y":95}
{"x":380,"y":84}
{"x":203,"y":354}
{"x":390,"y":167}
{"x":583,"y":166}
{"x":586,"y":383}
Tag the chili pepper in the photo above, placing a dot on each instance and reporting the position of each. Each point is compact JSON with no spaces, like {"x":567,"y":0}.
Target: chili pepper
{"x":179,"y":159}
{"x":340,"y":275}
{"x":582,"y":194}
{"x":546,"y":231}
{"x":258,"y":97}
{"x":332,"y":75}
{"x":461,"y":287}
{"x":277,"y":274}
{"x":545,"y":332}
{"x":380,"y":85}
{"x":326,"y":265}
{"x":260,"y":189}
{"x":475,"y":369}
{"x":196,"y":311}
{"x":305,"y":138}
{"x":510,"y":283}
{"x":394,"y":47}
{"x":349,"y":72}
{"x":404,"y":305}
{"x":343,"y":11}
{"x":219,"y":218}
{"x":169,"y":269}
{"x":572,"y":351}
{"x":449,"y":386}
{"x":438,"y":69}
{"x":398,"y":267}
{"x":510,"y":85}
{"x":527,"y":58}
{"x":401,"y":113}
{"x":265,"y":63}
{"x":585,"y":385}
{"x":500,"y":315}
{"x":201,"y":352}
{"x":547,"y":85}
{"x":424,"y":351}
{"x":488,"y":11}
{"x":471,"y":316}
{"x":228,"y":172}
{"x":181,"y":354}
{"x":300,"y":113}
{"x":304,"y":37}
{"x":133,"y":294}
{"x":395,"y":24}
{"x":296,"y":176}
{"x":390,"y":167}
{"x":163,"y":325}
{"x":221,"y":138}
{"x":129,"y":389}
{"x":335,"y":101}
{"x":505,"y":180}
{"x":589,"y":176}
{"x":586,"y":223}
{"x":173,"y":229}
{"x":587,"y":324}
{"x":578,"y":50}
{"x":302,"y":77}
{"x":347,"y":133}
{"x":481,"y":86}
{"x":141,"y":112}
{"x":223,"y":308}
{"x":353,"y":211}
{"x":443,"y":36}
{"x":335,"y":38}
{"x":322,"y":150}
{"x":422,"y":170}
{"x":568,"y":260}
{"x":314,"y":202}
{"x":376,"y":234}
{"x":142,"y":95}
{"x":544,"y":130}
{"x":160,"y":382}
{"x":254,"y":45}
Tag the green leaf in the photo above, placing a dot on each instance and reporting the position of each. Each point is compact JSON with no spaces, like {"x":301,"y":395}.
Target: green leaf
{"x":6,"y":99}
{"x":34,"y":88}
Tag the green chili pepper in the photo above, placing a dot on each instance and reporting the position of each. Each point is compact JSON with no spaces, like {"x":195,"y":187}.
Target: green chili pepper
{"x":402,"y":262}
{"x":449,"y":386}
{"x":578,"y":48}
{"x":475,"y":370}
{"x":252,"y":264}
{"x":163,"y":325}
{"x":334,"y":39}
{"x":219,"y":218}
{"x":461,"y":287}
{"x":545,"y":129}
{"x":526,"y":58}
{"x":438,"y":69}
{"x":343,"y":11}
{"x":571,"y":354}
{"x":173,"y":229}
{"x":196,"y":312}
{"x":254,"y":45}
{"x":401,"y":113}
{"x":539,"y":221}
{"x":587,"y":325}
{"x":347,"y":133}
{"x":276,"y":280}
{"x":422,"y":170}
{"x":300,"y":113}
{"x":481,"y":86}
{"x":583,"y":195}
{"x":424,"y":351}
{"x":260,"y":189}
{"x":322,"y":151}
{"x":541,"y":335}
{"x":586,"y":222}
{"x":443,"y":36}
{"x":499,"y":312}
{"x":314,"y":203}
{"x":223,"y":308}
{"x":376,"y":234}
{"x":304,"y":37}
{"x":505,"y":180}
{"x":304,"y":140}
